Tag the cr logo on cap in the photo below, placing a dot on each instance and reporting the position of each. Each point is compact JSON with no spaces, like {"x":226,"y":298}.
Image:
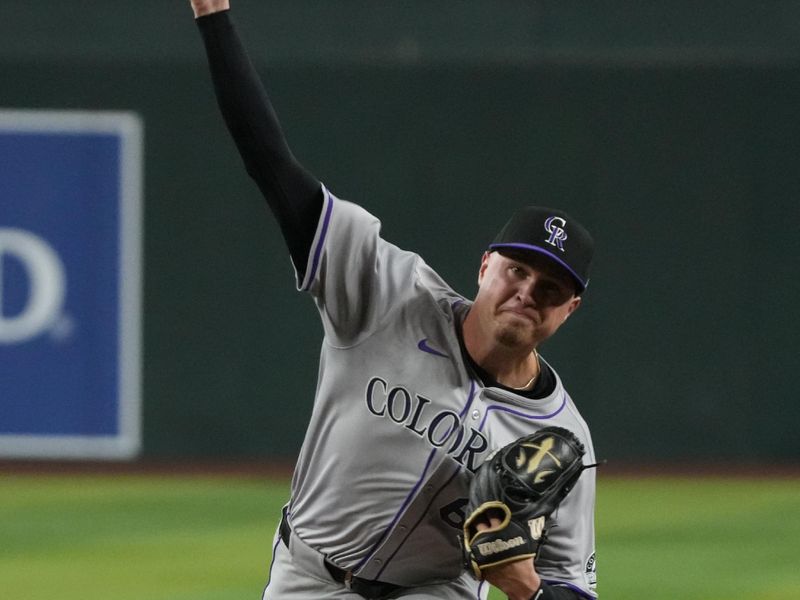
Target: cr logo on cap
{"x":556,"y":231}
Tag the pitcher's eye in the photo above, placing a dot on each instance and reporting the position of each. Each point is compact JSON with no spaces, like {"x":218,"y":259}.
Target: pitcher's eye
{"x":553,"y":293}
{"x":551,"y":289}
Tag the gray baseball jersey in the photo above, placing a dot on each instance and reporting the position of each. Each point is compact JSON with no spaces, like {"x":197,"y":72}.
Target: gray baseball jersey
{"x":400,"y":421}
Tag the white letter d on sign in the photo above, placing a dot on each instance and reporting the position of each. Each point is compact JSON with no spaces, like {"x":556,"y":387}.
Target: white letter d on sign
{"x":45,"y":272}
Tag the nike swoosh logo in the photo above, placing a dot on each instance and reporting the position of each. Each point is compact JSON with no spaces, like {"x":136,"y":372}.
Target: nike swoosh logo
{"x":423,"y":345}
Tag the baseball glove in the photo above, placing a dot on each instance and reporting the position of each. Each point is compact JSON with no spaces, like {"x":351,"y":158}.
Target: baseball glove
{"x":521,"y":485}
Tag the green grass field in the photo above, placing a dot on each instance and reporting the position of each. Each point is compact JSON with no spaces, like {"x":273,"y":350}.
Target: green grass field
{"x":136,"y":537}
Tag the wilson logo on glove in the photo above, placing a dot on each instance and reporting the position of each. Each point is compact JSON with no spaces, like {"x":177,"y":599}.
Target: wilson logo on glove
{"x":536,"y":527}
{"x":514,"y":492}
{"x":489,"y":548}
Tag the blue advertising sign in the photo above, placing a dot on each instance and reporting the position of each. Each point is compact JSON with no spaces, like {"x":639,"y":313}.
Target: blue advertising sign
{"x":70,"y":284}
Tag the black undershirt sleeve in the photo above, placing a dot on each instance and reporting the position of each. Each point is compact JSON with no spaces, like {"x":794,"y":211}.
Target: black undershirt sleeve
{"x":559,"y":592}
{"x":293,"y":194}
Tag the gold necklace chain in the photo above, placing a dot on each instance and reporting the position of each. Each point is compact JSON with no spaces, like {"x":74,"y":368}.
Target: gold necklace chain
{"x":535,"y":375}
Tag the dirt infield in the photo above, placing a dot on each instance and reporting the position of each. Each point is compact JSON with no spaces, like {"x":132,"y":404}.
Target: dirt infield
{"x":282,"y":468}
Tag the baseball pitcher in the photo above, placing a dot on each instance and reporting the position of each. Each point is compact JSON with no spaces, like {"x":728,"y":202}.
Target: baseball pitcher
{"x":443,"y":453}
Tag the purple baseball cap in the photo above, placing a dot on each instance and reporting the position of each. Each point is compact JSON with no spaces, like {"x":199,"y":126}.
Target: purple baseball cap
{"x":551,"y":233}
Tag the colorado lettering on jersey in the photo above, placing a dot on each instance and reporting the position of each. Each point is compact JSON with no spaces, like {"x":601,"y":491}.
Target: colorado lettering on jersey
{"x":440,"y":429}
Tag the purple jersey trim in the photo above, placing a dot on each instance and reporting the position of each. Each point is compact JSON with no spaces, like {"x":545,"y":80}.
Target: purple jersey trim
{"x":546,"y":253}
{"x":480,"y":588}
{"x":520,"y":413}
{"x":272,"y":563}
{"x":321,"y":242}
{"x":413,"y":493}
{"x":421,"y":517}
{"x":470,"y":398}
{"x":583,"y":593}
{"x":463,"y":412}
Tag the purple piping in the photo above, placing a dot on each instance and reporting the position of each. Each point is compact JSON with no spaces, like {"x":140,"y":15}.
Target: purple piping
{"x":321,"y":242}
{"x":585,"y":284}
{"x":421,"y":517}
{"x":521,"y":414}
{"x":464,"y":410}
{"x":271,"y":564}
{"x":412,"y":494}
{"x":574,"y":588}
{"x":470,"y":398}
{"x":406,"y":502}
{"x":480,"y":588}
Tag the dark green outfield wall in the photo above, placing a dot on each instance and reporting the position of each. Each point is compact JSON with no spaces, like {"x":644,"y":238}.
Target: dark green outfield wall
{"x":673,"y":132}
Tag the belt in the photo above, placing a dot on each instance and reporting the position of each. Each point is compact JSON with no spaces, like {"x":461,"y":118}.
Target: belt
{"x":367,"y":588}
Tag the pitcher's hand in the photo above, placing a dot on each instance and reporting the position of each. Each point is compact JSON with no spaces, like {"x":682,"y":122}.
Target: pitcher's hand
{"x":206,"y":7}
